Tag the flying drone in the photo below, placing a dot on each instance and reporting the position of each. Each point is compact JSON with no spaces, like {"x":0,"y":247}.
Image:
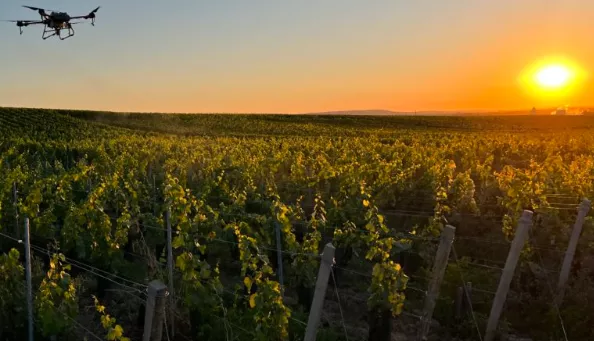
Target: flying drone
{"x":54,"y":22}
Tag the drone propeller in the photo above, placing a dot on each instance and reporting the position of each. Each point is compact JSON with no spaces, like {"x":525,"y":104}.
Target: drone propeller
{"x":41,"y":11}
{"x":20,"y":22}
{"x":23,"y":23}
{"x":92,"y":15}
{"x":34,"y":8}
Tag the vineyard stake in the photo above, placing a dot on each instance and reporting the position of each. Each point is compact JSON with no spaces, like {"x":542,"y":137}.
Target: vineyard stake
{"x":317,"y":304}
{"x":467,"y":298}
{"x":28,"y":277}
{"x":154,"y":316}
{"x":459,"y":300}
{"x":279,"y":254}
{"x":154,"y":196}
{"x":15,"y":194}
{"x":170,"y":268}
{"x":508,"y":273}
{"x":463,"y":300}
{"x":575,"y":236}
{"x":439,"y":267}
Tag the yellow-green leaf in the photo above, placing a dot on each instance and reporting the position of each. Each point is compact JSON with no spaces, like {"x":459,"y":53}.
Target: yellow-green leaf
{"x":111,"y":335}
{"x":253,"y":300}
{"x":248,"y":283}
{"x":118,"y":331}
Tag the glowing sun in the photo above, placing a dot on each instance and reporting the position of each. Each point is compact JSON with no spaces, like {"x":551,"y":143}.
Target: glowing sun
{"x":553,"y":76}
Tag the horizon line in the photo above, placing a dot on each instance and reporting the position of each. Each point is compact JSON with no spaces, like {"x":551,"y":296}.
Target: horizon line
{"x":328,"y":112}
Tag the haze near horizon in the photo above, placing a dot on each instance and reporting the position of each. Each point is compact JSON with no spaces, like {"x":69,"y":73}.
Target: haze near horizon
{"x":264,"y":56}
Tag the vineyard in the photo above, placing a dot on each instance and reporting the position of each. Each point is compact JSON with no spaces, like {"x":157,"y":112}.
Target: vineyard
{"x":252,"y":201}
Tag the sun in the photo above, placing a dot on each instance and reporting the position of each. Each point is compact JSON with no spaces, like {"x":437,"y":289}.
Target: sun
{"x":552,"y":79}
{"x":553,"y":76}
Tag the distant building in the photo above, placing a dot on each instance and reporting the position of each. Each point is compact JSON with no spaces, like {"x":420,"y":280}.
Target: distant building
{"x":567,"y":111}
{"x":533,"y":112}
{"x":561,"y":111}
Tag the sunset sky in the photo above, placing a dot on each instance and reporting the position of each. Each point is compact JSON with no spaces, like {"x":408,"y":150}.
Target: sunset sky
{"x":296,"y":56}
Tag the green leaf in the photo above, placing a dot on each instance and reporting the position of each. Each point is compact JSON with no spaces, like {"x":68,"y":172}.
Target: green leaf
{"x":105,"y":321}
{"x":111,"y":335}
{"x":177,"y":242}
{"x":180,"y":262}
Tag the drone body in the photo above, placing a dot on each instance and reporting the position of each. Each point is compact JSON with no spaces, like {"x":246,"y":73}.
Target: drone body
{"x":54,"y":22}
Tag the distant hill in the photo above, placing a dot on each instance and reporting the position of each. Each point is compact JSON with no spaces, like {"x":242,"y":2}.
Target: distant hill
{"x":371,"y":112}
{"x":380,"y":112}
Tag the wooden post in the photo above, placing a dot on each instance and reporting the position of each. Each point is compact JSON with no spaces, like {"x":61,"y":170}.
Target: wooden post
{"x":15,"y":195}
{"x":317,"y":304}
{"x":467,"y":297}
{"x":28,"y":278}
{"x":458,"y":303}
{"x":508,"y":273}
{"x":154,"y":196}
{"x":575,"y":236}
{"x":463,"y":302}
{"x":439,"y":267}
{"x":154,"y":316}
{"x":279,"y":255}
{"x":170,"y":268}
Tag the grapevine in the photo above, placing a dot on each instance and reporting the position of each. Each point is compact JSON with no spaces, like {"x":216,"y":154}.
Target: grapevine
{"x":379,"y":189}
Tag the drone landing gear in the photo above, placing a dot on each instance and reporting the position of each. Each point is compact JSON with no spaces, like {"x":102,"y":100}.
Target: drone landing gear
{"x":50,"y":32}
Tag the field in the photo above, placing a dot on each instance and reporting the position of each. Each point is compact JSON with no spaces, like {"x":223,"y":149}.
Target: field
{"x":97,"y":187}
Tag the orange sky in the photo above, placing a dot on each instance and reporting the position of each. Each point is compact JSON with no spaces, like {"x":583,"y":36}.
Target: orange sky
{"x":299,"y":57}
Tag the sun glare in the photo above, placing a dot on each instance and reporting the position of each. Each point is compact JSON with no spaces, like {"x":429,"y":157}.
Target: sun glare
{"x":553,"y":76}
{"x":553,"y":79}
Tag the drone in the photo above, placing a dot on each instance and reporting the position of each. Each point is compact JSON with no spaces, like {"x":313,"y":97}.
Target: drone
{"x":54,"y":22}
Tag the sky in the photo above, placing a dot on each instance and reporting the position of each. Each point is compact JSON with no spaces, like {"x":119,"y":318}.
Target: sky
{"x":266,"y":56}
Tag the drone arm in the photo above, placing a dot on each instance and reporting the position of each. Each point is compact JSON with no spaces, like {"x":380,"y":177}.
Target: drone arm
{"x":91,"y":16}
{"x":22,"y":23}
